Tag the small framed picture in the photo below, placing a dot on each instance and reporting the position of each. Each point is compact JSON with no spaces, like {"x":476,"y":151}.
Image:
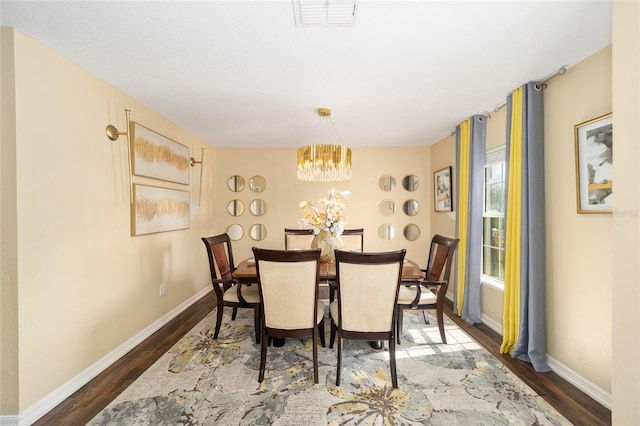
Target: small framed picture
{"x":443,"y":196}
{"x":594,"y":162}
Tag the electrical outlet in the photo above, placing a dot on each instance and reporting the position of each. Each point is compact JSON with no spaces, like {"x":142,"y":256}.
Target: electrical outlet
{"x":161,"y":289}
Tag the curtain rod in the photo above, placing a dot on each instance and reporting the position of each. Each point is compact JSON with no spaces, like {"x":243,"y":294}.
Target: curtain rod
{"x":539,"y":85}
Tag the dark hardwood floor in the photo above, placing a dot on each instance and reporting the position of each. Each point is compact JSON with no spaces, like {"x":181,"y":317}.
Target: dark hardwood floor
{"x":87,"y":402}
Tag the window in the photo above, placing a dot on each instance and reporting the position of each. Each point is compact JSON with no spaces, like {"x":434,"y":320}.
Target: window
{"x":493,"y":217}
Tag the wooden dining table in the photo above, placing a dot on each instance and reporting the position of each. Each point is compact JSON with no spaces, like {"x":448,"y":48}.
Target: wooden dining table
{"x":246,"y":272}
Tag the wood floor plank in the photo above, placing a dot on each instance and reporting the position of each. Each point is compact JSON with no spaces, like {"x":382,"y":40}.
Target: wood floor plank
{"x":87,"y":402}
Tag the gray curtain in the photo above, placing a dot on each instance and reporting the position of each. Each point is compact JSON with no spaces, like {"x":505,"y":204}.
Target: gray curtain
{"x":470,"y":311}
{"x":531,"y":342}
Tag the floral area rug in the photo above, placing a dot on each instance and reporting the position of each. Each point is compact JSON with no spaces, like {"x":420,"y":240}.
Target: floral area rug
{"x":202,"y":381}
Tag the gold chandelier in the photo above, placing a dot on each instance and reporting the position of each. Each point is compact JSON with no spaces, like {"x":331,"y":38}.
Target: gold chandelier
{"x":324,"y":162}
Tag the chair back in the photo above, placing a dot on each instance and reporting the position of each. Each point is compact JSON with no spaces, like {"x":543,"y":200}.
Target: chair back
{"x":367,"y":285}
{"x":353,"y":239}
{"x":298,"y":239}
{"x":220,"y":259}
{"x":288,"y":287}
{"x":441,"y":255}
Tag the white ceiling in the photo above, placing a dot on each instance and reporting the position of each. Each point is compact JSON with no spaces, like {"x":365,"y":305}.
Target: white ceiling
{"x":242,"y":74}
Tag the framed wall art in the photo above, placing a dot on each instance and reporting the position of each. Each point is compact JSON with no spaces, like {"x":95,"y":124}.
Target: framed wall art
{"x":443,"y":196}
{"x":158,"y":210}
{"x":158,"y":157}
{"x":594,"y":163}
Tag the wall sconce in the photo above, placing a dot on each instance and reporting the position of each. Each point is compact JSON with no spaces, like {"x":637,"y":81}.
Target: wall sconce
{"x":113,"y":134}
{"x":192,"y":163}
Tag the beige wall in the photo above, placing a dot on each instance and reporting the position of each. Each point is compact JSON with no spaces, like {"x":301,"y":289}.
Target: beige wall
{"x":443,"y":154}
{"x":579,"y":259}
{"x":626,"y":226}
{"x":85,"y":285}
{"x":285,"y":192}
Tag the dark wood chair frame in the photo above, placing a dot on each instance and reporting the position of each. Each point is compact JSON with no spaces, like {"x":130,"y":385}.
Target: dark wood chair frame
{"x":220,"y":254}
{"x":316,"y":332}
{"x":336,"y":329}
{"x":436,"y":279}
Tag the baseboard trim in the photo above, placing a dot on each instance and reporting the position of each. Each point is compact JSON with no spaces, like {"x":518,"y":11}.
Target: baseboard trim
{"x":49,"y":402}
{"x":595,"y":392}
{"x":495,"y":326}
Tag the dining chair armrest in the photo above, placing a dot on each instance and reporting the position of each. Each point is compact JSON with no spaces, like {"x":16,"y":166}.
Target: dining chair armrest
{"x":226,"y":282}
{"x":418,"y":285}
{"x":438,"y":286}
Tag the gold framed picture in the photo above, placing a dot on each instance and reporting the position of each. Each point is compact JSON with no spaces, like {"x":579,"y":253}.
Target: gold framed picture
{"x":158,"y":157}
{"x":594,"y":165}
{"x":443,"y":201}
{"x":158,"y":209}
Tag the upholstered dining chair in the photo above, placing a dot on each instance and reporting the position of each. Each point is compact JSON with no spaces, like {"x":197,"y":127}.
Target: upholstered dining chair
{"x":367,"y":293}
{"x":297,"y":239}
{"x":229,"y":292}
{"x":353,"y":239}
{"x":288,"y":282}
{"x":431,"y":291}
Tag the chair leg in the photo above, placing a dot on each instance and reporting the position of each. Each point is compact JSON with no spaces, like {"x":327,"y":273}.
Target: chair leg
{"x":256,"y":322}
{"x":339,"y":364}
{"x":321,"y":333}
{"x":263,"y":356}
{"x":316,"y":334}
{"x":441,"y":325}
{"x":425,"y":315}
{"x":399,"y":316}
{"x":333,"y":334}
{"x":218,"y":320}
{"x":233,"y":314}
{"x":392,"y":362}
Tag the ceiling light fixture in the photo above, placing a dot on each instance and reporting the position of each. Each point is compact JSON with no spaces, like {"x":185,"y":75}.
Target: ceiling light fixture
{"x":324,"y":162}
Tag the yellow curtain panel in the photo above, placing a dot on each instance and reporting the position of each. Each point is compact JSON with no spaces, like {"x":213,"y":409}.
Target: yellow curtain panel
{"x":511,"y":308}
{"x":463,"y":206}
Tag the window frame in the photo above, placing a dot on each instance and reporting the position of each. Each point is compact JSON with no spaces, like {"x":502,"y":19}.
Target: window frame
{"x":492,"y":156}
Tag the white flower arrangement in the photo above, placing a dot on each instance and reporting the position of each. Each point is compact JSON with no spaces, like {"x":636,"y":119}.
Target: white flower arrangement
{"x":328,"y":215}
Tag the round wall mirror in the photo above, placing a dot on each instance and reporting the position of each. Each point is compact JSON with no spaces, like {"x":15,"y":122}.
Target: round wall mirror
{"x":258,"y":183}
{"x":236,"y":183}
{"x":235,"y":231}
{"x":387,"y":183}
{"x":410,"y":183}
{"x":258,"y":232}
{"x":386,"y":232}
{"x":258,"y":207}
{"x":387,"y":207}
{"x":411,"y":232}
{"x":411,"y":207}
{"x":235,"y":207}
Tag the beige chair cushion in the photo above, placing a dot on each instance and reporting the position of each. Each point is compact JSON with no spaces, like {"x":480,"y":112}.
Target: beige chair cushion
{"x":407,"y":294}
{"x":250,"y":294}
{"x":283,"y":282}
{"x":376,"y":285}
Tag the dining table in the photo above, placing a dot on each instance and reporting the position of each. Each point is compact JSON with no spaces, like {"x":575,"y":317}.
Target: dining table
{"x":246,"y":272}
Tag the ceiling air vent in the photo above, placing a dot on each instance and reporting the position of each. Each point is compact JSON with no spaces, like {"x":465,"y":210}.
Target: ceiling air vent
{"x":325,"y":13}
